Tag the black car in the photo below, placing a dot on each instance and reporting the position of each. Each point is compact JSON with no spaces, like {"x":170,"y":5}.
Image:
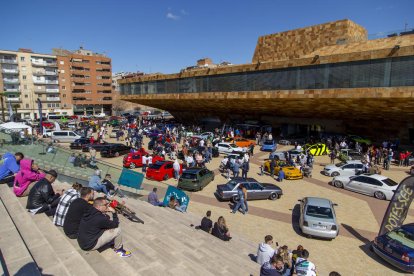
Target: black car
{"x":255,"y":190}
{"x":114,"y":150}
{"x":98,"y":146}
{"x":78,"y":143}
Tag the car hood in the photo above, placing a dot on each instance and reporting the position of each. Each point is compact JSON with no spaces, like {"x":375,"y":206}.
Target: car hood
{"x":330,"y":167}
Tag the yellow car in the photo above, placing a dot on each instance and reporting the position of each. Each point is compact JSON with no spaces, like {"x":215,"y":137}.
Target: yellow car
{"x":291,"y":172}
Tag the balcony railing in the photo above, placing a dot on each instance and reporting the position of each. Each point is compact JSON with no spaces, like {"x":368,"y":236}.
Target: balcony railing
{"x":11,"y":89}
{"x":11,"y":81}
{"x":41,"y":90}
{"x":53,"y":99}
{"x":44,"y":73}
{"x":44,"y":63}
{"x":51,"y":73}
{"x":10,"y":61}
{"x":51,"y":82}
{"x":10,"y":71}
{"x":13,"y":99}
{"x":52,"y":89}
{"x":39,"y":81}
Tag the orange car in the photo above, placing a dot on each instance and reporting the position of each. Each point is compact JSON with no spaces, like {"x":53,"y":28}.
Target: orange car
{"x":241,"y":142}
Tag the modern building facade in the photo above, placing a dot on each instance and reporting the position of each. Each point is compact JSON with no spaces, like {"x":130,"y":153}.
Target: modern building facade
{"x":327,"y":77}
{"x":27,"y":76}
{"x":85,"y":79}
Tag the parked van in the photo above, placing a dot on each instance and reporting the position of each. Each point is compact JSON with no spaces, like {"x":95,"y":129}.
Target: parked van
{"x":64,"y":136}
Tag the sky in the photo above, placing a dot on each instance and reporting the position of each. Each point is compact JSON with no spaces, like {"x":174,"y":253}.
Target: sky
{"x":166,"y":36}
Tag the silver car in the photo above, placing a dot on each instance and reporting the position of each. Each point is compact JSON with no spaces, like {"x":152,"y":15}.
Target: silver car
{"x":375,"y":185}
{"x":317,"y":218}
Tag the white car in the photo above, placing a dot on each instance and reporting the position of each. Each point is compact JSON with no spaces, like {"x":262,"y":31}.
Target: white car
{"x":375,"y":185}
{"x":348,"y":166}
{"x":229,"y":148}
{"x":204,"y":135}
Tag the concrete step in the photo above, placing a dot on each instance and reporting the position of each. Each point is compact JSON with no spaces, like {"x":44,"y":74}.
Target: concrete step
{"x":16,"y":256}
{"x":42,"y":252}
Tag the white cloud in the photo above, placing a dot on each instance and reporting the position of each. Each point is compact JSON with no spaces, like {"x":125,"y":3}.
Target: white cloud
{"x":172,"y":16}
{"x":184,"y":12}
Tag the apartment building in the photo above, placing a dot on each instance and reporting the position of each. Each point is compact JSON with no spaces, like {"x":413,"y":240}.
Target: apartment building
{"x":85,"y":79}
{"x":26,"y":76}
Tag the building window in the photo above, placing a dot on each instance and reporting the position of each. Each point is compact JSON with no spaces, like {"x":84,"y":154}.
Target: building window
{"x":27,"y":105}
{"x":24,"y":77}
{"x":62,"y":62}
{"x":49,"y":105}
{"x":21,"y":58}
{"x":25,"y":86}
{"x":64,"y":95}
{"x":26,"y":96}
{"x":63,"y":87}
{"x":62,"y":71}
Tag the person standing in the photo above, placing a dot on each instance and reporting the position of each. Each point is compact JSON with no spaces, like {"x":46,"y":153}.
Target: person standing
{"x":245,"y":169}
{"x":176,"y":167}
{"x":236,"y":169}
{"x":240,"y":202}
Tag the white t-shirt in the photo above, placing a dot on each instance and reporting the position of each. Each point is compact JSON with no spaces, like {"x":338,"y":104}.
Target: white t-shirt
{"x":144,"y":160}
{"x":305,"y":268}
{"x":149,"y":158}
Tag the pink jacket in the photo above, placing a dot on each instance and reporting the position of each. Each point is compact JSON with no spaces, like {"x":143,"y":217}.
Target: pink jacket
{"x":25,"y":176}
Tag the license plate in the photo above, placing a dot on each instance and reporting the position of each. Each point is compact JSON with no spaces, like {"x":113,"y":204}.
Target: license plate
{"x":320,"y":226}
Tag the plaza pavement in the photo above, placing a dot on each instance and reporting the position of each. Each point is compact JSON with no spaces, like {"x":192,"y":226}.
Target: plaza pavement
{"x":359,"y":216}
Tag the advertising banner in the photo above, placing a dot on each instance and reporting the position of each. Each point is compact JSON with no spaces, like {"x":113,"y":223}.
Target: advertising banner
{"x":178,"y":194}
{"x":398,"y":207}
{"x":131,"y":179}
{"x":39,"y":106}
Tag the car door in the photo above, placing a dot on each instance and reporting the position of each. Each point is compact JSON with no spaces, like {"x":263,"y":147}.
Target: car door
{"x":137,"y":159}
{"x":359,"y":167}
{"x":348,"y":167}
{"x":358,"y":184}
{"x":250,"y":192}
{"x":371,"y":186}
{"x":259,"y":191}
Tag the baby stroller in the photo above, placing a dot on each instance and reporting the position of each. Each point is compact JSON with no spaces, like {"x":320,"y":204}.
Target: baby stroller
{"x":307,"y":171}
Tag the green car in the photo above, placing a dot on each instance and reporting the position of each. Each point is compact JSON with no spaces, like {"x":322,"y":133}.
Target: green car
{"x":195,"y":179}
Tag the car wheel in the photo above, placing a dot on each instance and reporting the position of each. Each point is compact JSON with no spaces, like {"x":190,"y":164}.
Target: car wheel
{"x":116,"y":154}
{"x":235,"y":198}
{"x":338,"y":184}
{"x":132,"y":166}
{"x":379,"y":195}
{"x":274,"y":196}
{"x":335,"y":174}
{"x":166,"y":177}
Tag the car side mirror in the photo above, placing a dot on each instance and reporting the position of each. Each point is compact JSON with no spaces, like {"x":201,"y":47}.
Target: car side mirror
{"x":335,"y":204}
{"x":300,"y":200}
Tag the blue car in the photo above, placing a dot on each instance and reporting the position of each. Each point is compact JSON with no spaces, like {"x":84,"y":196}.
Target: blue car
{"x":269,"y":145}
{"x":397,"y":247}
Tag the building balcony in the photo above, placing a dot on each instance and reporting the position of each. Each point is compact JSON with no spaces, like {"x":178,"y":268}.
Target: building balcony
{"x":9,"y":61}
{"x":14,"y":99}
{"x":44,"y":73}
{"x":51,"y":81}
{"x":44,"y":63}
{"x":53,"y":99}
{"x":11,"y":81}
{"x":52,"y":90}
{"x":11,"y":89}
{"x":40,"y":90}
{"x":10,"y":71}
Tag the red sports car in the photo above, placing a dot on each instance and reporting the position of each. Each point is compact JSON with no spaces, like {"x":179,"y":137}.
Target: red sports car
{"x":134,"y":160}
{"x":162,"y":170}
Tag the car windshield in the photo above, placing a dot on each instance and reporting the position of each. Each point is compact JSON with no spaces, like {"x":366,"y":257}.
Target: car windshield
{"x":340,"y":164}
{"x":233,"y":146}
{"x":189,"y":176}
{"x":319,"y":212}
{"x":231,"y":184}
{"x":268,"y":142}
{"x":403,"y":236}
{"x":155,"y":166}
{"x":390,"y":182}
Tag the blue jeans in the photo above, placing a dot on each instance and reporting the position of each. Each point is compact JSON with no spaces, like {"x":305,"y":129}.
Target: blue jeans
{"x":100,"y":188}
{"x":239,"y":204}
{"x":176,"y":174}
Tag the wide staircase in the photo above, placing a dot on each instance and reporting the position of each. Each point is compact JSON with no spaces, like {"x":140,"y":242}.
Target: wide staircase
{"x":165,"y":244}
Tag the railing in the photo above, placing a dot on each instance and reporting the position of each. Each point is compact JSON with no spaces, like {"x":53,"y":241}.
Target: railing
{"x":11,"y":80}
{"x":10,"y":71}
{"x":51,"y":73}
{"x":52,"y":89}
{"x":53,"y":99}
{"x":11,"y":89}
{"x":39,"y":81}
{"x":11,"y":61}
{"x":42,"y":90}
{"x":53,"y":156}
{"x":13,"y":100}
{"x":51,"y":81}
{"x":44,"y":63}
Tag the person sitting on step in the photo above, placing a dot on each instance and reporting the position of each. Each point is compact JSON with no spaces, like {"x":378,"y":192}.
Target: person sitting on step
{"x":206,"y":223}
{"x":220,"y":230}
{"x":26,"y":177}
{"x":9,"y":165}
{"x":96,"y":184}
{"x":97,"y":230}
{"x":65,"y":201}
{"x":76,"y":211}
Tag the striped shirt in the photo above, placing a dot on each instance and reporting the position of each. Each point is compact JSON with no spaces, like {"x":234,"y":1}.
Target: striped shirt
{"x":68,"y":197}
